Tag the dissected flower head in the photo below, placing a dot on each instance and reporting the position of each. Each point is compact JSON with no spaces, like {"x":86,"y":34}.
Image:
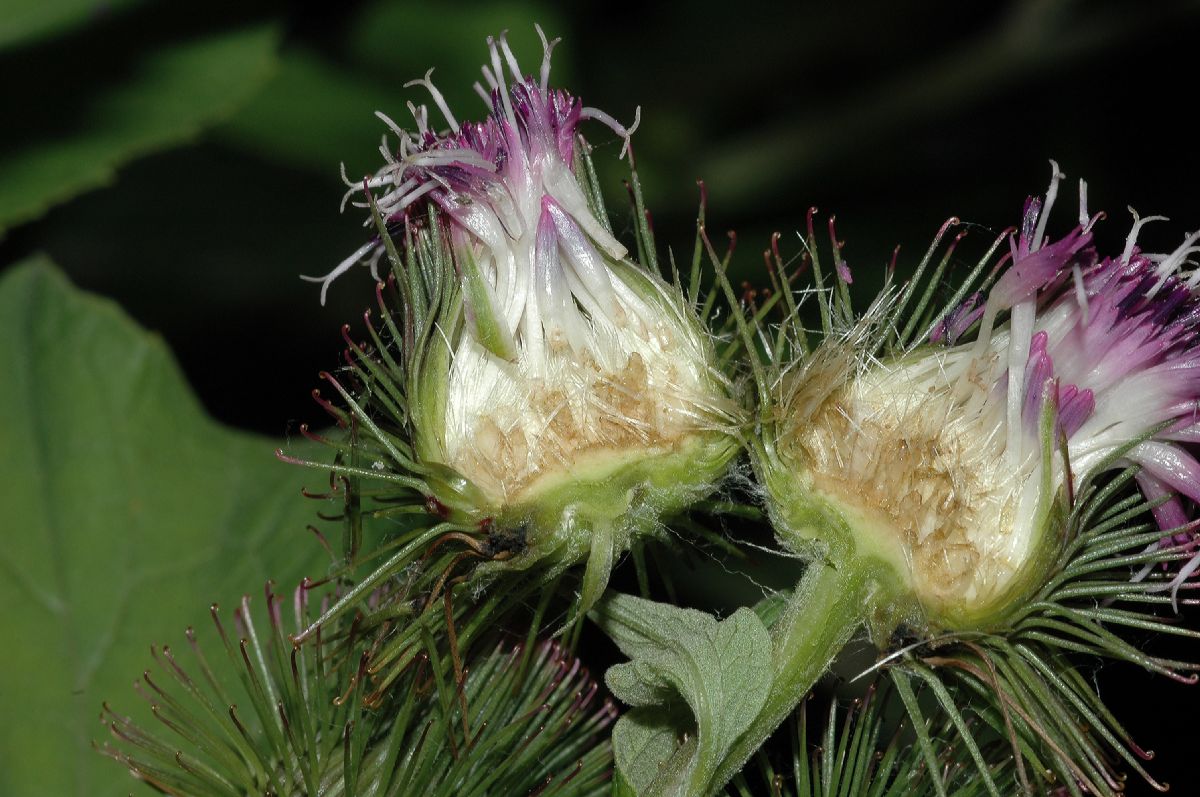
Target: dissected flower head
{"x":955,"y":460}
{"x":553,"y":391}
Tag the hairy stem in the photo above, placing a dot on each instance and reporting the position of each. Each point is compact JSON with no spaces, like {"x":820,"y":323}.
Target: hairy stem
{"x":828,"y":606}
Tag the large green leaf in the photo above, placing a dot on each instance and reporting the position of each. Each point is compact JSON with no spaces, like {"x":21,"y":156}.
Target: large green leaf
{"x":126,"y":511}
{"x":158,"y":96}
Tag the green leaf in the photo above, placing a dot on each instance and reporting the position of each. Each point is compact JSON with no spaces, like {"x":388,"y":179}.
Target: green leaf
{"x":162,"y":96}
{"x":644,"y":739}
{"x":721,"y":669}
{"x":126,"y":512}
{"x":25,"y":21}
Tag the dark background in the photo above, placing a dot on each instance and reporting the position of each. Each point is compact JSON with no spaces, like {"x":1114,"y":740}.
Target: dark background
{"x":892,"y":115}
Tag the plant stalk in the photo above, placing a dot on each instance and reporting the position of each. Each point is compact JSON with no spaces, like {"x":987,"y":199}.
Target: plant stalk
{"x":828,"y":606}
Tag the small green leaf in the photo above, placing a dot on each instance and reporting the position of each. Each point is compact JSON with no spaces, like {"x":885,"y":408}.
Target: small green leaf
{"x":166,"y":95}
{"x":126,"y":511}
{"x":721,"y":669}
{"x":644,"y":739}
{"x":621,"y":786}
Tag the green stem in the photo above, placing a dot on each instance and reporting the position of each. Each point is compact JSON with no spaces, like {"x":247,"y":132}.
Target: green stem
{"x":826,"y":609}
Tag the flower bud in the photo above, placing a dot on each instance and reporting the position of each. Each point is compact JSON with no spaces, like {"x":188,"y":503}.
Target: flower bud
{"x":954,"y":459}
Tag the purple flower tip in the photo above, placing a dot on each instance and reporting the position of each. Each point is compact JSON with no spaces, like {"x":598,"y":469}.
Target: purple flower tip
{"x":486,"y":177}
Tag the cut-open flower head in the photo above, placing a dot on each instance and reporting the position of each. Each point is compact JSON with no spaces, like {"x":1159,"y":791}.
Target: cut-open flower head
{"x":533,"y":385}
{"x":952,"y":457}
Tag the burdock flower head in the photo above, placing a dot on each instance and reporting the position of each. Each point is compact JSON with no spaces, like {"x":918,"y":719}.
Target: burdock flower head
{"x":953,"y":457}
{"x":533,"y":386}
{"x":959,"y":474}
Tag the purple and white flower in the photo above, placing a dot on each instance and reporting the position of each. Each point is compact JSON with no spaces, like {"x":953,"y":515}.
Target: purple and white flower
{"x":945,"y":460}
{"x":575,"y":392}
{"x":1113,"y":345}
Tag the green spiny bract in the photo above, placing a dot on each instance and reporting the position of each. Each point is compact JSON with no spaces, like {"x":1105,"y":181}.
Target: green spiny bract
{"x":867,"y":752}
{"x":269,"y":717}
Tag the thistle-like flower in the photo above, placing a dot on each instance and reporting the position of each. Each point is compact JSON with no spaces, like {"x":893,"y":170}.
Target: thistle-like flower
{"x":958,"y":477}
{"x":535,"y":388}
{"x":954,"y":460}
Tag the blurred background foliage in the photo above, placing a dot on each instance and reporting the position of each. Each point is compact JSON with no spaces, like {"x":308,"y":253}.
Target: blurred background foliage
{"x":182,"y":158}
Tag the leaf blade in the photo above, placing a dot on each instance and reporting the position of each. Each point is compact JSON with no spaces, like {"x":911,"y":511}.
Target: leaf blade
{"x":126,"y":508}
{"x":170,"y":93}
